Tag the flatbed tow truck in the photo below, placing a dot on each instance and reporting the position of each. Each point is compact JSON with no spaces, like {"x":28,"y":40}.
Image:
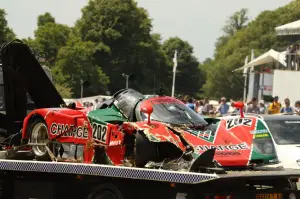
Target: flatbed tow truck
{"x":24,"y":179}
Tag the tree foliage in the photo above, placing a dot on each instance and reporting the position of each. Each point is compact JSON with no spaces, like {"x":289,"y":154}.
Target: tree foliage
{"x":236,"y":22}
{"x":188,"y":78}
{"x":50,"y":38}
{"x":75,"y":62}
{"x":122,"y":32}
{"x":64,"y":90}
{"x":6,"y":33}
{"x":231,"y":51}
{"x":45,"y":18}
{"x":113,"y":37}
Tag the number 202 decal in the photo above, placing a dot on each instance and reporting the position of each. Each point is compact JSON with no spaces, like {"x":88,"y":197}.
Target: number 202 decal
{"x":99,"y":132}
{"x":238,"y":122}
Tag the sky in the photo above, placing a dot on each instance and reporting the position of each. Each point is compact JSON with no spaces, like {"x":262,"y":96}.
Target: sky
{"x":197,"y":21}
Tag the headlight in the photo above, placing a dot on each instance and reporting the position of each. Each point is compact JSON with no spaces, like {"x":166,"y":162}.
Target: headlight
{"x":298,"y":162}
{"x":264,"y":146}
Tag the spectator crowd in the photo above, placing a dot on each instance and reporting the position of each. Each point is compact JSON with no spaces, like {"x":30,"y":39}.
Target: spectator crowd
{"x":203,"y":107}
{"x":224,"y":107}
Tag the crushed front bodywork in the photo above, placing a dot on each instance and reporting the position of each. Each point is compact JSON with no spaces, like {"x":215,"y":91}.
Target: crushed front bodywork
{"x":156,"y":132}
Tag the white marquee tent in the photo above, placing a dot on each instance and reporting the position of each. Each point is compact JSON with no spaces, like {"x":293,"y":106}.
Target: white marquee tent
{"x":292,"y":28}
{"x":268,"y":57}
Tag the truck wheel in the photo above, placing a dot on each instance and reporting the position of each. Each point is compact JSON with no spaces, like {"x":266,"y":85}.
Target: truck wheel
{"x":106,"y":191}
{"x":38,"y":132}
{"x":144,"y":150}
{"x":103,"y":195}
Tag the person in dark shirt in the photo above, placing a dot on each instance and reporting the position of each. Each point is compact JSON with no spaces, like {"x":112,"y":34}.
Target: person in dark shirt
{"x":253,"y":108}
{"x":206,"y":108}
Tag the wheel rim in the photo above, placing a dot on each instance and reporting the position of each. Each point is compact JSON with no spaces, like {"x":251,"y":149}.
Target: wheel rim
{"x":39,"y":135}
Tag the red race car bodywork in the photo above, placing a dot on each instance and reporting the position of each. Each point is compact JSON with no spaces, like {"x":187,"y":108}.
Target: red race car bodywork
{"x":239,"y":142}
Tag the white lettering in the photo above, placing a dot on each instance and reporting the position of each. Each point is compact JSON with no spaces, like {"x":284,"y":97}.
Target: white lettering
{"x":113,"y":143}
{"x":292,"y":122}
{"x":259,"y":131}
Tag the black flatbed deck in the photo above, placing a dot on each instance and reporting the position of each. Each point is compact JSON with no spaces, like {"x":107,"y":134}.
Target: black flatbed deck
{"x":289,"y":173}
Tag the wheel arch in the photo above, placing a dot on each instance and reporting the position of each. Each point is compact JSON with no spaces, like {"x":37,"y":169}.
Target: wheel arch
{"x":27,"y":125}
{"x":146,"y":150}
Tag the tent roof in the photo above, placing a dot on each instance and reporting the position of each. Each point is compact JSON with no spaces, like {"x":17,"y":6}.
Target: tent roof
{"x":292,"y":28}
{"x":266,"y":58}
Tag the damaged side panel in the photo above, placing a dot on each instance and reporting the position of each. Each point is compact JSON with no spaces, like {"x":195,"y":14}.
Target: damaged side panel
{"x":156,"y":132}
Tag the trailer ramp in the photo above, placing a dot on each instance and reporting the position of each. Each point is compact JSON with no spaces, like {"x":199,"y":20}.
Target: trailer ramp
{"x":106,"y":171}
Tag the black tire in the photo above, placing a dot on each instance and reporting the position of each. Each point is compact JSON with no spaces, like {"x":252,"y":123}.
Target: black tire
{"x":145,"y":150}
{"x":38,"y":121}
{"x":105,"y":194}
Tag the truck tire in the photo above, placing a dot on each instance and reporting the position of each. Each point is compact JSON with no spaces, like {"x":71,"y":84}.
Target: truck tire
{"x":103,"y":195}
{"x":38,"y":132}
{"x":145,"y":150}
{"x":105,"y":191}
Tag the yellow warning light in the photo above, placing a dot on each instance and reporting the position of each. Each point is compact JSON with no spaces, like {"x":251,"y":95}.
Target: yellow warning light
{"x":172,"y":185}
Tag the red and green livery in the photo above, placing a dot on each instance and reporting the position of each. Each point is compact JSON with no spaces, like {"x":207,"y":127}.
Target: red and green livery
{"x":132,"y":130}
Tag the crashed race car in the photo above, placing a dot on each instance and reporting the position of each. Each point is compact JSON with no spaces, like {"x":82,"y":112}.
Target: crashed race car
{"x":154,"y":132}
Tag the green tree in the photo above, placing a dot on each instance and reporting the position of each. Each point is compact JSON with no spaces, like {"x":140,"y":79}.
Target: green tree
{"x":74,"y":63}
{"x":45,"y":18}
{"x":64,"y":90}
{"x":188,"y":75}
{"x":161,"y":65}
{"x":236,"y":22}
{"x":6,"y":33}
{"x":122,"y":31}
{"x":50,"y":38}
{"x":33,"y":44}
{"x":205,"y":66}
{"x":259,"y":35}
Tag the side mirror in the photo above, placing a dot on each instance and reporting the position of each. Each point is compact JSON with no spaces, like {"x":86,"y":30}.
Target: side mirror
{"x":147,"y":108}
{"x":239,"y":105}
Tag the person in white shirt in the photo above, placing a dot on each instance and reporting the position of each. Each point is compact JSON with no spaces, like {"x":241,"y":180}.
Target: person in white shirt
{"x":199,"y":106}
{"x":262,"y":107}
{"x":297,"y":107}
